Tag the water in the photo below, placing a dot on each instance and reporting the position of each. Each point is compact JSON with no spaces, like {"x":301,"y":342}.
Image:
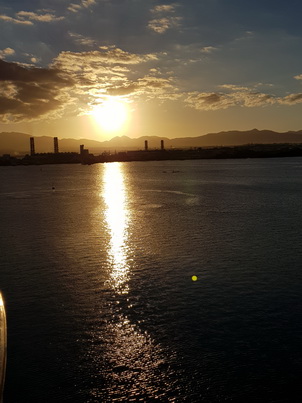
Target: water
{"x":97,"y":278}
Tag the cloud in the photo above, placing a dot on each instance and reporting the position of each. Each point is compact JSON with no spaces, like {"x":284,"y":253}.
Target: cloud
{"x":247,"y":35}
{"x":98,"y":59}
{"x":16,"y":72}
{"x":158,"y":87}
{"x":22,"y":15}
{"x":123,"y":90}
{"x":257,"y":85}
{"x":161,"y":25}
{"x":74,"y":8}
{"x":253,"y":99}
{"x":169,"y":8}
{"x":291,"y":99}
{"x":81,"y":40}
{"x":74,"y":82}
{"x":238,"y":96}
{"x":107,"y":72}
{"x":208,"y":101}
{"x":77,"y":81}
{"x":149,"y":87}
{"x":29,"y":92}
{"x":26,"y":17}
{"x":14,"y":20}
{"x":32,"y":58}
{"x":164,"y":20}
{"x":88,"y":3}
{"x":217,"y":100}
{"x":208,"y":49}
{"x":6,"y":52}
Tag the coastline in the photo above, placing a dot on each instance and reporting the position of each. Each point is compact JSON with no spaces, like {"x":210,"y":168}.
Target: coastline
{"x":222,"y":152}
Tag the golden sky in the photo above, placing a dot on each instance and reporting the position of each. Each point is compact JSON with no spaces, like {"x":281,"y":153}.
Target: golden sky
{"x":101,"y":68}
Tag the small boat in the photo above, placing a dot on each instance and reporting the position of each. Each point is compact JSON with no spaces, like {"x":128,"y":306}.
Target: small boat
{"x":3,"y":346}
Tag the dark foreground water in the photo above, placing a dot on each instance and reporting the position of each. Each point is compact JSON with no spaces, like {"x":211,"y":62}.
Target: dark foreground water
{"x":97,"y":279}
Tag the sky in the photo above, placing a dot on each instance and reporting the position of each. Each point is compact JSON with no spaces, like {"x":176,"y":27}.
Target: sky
{"x":103,"y":68}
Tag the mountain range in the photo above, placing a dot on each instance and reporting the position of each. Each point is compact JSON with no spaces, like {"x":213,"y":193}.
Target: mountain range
{"x":17,"y":144}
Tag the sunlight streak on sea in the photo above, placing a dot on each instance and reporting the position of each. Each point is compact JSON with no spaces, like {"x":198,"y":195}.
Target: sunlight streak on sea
{"x":114,"y":193}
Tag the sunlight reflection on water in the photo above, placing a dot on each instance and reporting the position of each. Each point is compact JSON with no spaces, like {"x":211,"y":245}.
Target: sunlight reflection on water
{"x":117,"y":219}
{"x":133,"y":364}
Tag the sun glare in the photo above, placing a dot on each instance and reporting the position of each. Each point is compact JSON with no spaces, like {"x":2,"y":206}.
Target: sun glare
{"x":111,"y":115}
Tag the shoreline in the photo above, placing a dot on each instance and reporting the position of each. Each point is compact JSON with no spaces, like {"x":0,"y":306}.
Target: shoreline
{"x":223,"y":152}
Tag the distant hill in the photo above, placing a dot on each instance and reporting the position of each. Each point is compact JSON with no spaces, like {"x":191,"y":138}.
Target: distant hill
{"x":18,"y":143}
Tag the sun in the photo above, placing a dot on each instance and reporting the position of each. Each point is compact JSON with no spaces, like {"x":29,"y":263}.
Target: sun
{"x":111,"y":115}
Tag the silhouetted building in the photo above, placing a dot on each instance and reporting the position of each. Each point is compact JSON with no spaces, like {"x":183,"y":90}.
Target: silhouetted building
{"x":85,"y":157}
{"x":83,"y":151}
{"x":56,"y":145}
{"x":32,"y":146}
{"x":162,"y":145}
{"x":146,"y":145}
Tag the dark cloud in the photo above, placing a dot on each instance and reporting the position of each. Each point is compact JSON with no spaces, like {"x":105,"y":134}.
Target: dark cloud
{"x":30,"y":92}
{"x":8,"y":105}
{"x":10,"y":71}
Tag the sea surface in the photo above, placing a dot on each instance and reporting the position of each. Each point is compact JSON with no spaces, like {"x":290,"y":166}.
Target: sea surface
{"x":96,"y":266}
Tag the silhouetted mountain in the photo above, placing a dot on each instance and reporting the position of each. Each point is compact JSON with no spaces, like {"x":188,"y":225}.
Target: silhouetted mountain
{"x":125,"y":142}
{"x":18,"y":143}
{"x":247,"y":137}
{"x":14,"y":143}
